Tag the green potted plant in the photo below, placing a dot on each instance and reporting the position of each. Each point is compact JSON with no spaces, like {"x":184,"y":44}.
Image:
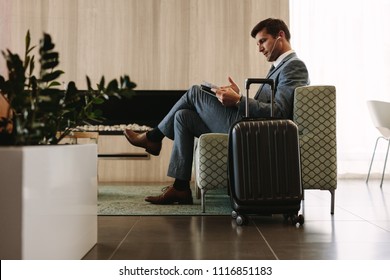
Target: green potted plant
{"x":40,"y":112}
{"x":47,"y":190}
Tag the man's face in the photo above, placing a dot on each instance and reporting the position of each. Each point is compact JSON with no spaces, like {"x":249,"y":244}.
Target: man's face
{"x":268,"y":45}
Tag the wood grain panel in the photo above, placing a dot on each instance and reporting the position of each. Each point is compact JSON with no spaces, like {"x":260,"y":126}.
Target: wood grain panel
{"x":147,"y":169}
{"x":161,"y":44}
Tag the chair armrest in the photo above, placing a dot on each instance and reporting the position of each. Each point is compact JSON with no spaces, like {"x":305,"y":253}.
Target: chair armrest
{"x":211,"y":161}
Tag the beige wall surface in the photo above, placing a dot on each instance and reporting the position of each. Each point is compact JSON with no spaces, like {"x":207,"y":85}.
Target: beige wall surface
{"x":160,"y":44}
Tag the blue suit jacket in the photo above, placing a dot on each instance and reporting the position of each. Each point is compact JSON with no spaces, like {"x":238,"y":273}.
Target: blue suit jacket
{"x":290,"y":73}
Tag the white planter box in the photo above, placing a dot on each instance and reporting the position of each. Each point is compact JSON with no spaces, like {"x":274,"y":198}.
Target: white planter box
{"x":48,"y":201}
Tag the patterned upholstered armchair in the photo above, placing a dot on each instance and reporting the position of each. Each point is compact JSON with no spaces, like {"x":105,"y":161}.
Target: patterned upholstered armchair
{"x":210,"y":164}
{"x":315,"y":115}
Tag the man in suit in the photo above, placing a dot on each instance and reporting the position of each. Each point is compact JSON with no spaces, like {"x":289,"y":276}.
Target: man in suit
{"x":199,"y":112}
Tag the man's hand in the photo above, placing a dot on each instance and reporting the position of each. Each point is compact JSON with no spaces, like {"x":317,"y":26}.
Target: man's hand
{"x":228,"y":95}
{"x":233,"y":85}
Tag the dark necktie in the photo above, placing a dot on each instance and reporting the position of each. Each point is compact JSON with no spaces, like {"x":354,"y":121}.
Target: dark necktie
{"x":270,"y":70}
{"x":269,"y":73}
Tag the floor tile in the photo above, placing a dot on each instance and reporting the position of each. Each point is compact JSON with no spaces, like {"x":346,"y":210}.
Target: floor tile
{"x":358,"y":230}
{"x":197,"y":237}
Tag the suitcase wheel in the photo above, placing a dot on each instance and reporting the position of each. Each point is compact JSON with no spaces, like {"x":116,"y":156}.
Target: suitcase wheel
{"x":294,"y":219}
{"x":300,"y":219}
{"x":240,"y":219}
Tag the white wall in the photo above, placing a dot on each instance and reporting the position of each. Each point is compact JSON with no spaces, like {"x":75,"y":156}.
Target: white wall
{"x":346,"y":43}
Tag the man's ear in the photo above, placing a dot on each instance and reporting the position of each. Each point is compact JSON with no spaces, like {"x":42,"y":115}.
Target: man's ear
{"x":281,"y":34}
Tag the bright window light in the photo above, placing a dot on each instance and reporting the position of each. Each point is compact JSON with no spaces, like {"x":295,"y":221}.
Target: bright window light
{"x":346,"y":43}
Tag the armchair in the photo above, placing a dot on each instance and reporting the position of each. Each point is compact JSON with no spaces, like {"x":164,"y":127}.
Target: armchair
{"x":210,"y":164}
{"x":315,"y":115}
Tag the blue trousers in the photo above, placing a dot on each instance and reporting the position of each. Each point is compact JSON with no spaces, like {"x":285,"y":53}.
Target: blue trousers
{"x":195,"y":113}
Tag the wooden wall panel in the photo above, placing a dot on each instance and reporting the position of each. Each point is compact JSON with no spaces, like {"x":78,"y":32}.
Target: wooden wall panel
{"x":137,"y":169}
{"x":161,"y":44}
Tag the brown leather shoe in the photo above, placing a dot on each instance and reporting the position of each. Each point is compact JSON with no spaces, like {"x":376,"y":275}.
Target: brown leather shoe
{"x":171,"y":196}
{"x":140,"y":140}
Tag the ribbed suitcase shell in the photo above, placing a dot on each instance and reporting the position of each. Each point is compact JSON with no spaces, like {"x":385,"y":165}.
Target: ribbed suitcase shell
{"x":264,"y":167}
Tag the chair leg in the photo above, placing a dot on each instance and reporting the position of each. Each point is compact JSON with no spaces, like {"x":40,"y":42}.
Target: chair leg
{"x":202,"y":199}
{"x":372,"y":159}
{"x":197,"y":191}
{"x":384,"y":166}
{"x":332,"y":201}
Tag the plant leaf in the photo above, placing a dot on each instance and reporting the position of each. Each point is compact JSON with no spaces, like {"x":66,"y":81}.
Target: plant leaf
{"x":112,"y":86}
{"x":89,"y":87}
{"x":49,"y":56}
{"x":51,"y":76}
{"x":98,"y":100}
{"x":32,"y":65}
{"x":101,"y":84}
{"x":50,"y":64}
{"x":27,"y":41}
{"x":54,"y":84}
{"x":46,"y":43}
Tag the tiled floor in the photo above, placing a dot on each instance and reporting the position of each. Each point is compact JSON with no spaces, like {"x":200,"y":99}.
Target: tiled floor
{"x":359,"y":229}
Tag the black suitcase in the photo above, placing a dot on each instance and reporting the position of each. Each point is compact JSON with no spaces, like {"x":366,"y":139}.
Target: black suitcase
{"x":264,"y":166}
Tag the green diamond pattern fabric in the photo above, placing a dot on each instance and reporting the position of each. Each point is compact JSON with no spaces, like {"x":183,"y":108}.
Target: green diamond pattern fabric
{"x":211,"y":163}
{"x":315,"y":115}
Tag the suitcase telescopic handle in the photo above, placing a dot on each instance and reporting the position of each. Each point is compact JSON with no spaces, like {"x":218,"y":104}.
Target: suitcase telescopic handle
{"x":250,"y":81}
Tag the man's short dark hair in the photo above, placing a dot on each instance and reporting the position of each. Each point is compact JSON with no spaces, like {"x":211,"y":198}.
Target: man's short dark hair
{"x":272,"y":26}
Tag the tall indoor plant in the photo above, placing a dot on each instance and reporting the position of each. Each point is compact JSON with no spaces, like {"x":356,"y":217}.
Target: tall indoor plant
{"x":48,"y":193}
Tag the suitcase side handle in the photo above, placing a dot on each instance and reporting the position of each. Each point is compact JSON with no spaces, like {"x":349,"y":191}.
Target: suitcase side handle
{"x":250,"y":81}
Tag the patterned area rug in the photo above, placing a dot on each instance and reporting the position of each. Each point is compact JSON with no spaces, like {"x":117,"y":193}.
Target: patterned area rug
{"x":126,"y":200}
